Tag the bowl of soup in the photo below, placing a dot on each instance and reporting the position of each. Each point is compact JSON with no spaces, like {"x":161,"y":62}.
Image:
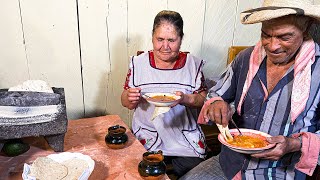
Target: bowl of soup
{"x":161,"y":99}
{"x":250,"y":142}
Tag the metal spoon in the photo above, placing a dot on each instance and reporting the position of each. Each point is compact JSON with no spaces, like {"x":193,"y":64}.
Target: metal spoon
{"x":236,"y":126}
{"x":146,"y":96}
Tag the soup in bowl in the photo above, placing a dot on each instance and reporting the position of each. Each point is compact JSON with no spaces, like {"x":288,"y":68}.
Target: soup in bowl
{"x":161,"y":99}
{"x":251,"y":141}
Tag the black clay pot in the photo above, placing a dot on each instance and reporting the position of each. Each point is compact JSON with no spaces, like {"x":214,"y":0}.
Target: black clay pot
{"x":116,"y":137}
{"x":152,"y":166}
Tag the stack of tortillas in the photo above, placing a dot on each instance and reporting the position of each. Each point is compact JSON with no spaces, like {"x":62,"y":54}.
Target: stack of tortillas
{"x":44,"y":168}
{"x":32,"y":85}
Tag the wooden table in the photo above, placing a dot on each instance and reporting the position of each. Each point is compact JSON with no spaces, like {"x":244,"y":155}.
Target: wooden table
{"x":87,"y":137}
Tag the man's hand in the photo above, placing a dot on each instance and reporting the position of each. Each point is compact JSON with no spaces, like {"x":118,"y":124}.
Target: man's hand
{"x":283,"y":146}
{"x":219,"y":112}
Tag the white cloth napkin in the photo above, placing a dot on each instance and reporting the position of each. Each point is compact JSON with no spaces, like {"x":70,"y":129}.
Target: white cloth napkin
{"x":159,"y":110}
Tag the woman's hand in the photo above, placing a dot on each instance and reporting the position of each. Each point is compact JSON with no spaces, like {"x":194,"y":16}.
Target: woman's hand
{"x":182,"y":96}
{"x":191,"y":100}
{"x":283,"y":146}
{"x":131,"y":97}
{"x":219,"y":112}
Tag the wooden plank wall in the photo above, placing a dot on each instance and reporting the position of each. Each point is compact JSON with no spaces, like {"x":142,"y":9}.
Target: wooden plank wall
{"x":39,"y":40}
{"x":84,"y":45}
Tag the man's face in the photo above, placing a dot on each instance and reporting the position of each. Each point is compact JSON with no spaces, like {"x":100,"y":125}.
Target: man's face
{"x":281,"y":39}
{"x":166,"y":42}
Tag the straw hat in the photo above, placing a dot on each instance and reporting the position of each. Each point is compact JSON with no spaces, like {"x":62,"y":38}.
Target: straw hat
{"x":277,"y":8}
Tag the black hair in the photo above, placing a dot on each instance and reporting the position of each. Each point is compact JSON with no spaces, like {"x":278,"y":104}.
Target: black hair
{"x":172,"y":17}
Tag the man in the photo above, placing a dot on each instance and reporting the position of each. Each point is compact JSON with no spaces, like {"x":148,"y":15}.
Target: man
{"x":275,"y":87}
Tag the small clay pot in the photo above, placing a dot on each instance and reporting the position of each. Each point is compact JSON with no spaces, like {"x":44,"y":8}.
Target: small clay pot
{"x":116,"y":137}
{"x":152,"y":166}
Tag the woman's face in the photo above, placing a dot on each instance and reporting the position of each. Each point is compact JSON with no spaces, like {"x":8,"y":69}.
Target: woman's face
{"x":281,"y":39}
{"x":166,"y":42}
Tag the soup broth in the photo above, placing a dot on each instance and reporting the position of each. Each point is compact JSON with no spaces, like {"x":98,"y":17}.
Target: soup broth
{"x":249,"y":141}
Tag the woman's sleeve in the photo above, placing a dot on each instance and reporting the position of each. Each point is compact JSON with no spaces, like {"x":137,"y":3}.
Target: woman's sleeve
{"x":127,"y":83}
{"x":201,"y":84}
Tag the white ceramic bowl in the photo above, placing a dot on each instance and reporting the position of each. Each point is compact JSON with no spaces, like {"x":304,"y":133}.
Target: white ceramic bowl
{"x":148,"y":97}
{"x":235,"y":132}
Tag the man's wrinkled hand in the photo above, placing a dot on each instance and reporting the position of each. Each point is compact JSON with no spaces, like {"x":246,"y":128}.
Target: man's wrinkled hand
{"x":219,"y":112}
{"x":283,"y":146}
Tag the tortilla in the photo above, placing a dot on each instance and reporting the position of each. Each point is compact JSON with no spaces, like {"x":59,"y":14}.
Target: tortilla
{"x":75,"y":168}
{"x":225,"y":132}
{"x":44,"y":168}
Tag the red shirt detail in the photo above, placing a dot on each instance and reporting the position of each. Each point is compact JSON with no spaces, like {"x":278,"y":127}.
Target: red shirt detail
{"x":126,"y":84}
{"x":180,"y":62}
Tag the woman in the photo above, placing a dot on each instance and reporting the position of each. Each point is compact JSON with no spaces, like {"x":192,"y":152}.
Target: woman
{"x":166,"y":69}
